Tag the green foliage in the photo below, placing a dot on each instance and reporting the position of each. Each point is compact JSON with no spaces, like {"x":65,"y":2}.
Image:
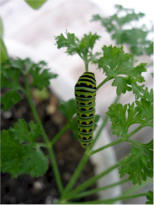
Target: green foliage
{"x":118,"y":65}
{"x":123,"y":116}
{"x":22,"y":132}
{"x":3,"y":52}
{"x":83,"y":47}
{"x":13,"y":69}
{"x":9,"y":99}
{"x":139,"y":163}
{"x":18,"y":156}
{"x":149,"y":197}
{"x":35,"y":4}
{"x":68,"y":108}
{"x":135,"y":37}
{"x":1,"y":28}
{"x":41,"y":75}
{"x":10,"y":76}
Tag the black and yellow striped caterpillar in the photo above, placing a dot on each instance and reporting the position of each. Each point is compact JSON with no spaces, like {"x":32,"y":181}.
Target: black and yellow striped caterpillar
{"x":85,"y":92}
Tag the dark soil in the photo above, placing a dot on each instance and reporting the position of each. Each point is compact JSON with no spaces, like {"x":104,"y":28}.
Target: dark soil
{"x":41,"y":190}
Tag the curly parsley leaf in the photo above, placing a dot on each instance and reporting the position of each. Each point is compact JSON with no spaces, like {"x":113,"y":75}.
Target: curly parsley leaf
{"x":123,"y":116}
{"x":149,"y":197}
{"x":41,"y":75}
{"x":10,"y":77}
{"x":134,"y":37}
{"x":13,"y":70}
{"x":83,"y":47}
{"x":68,"y":108}
{"x":9,"y":99}
{"x":20,"y":159}
{"x":145,"y":107}
{"x":138,"y":164}
{"x":118,"y":66}
{"x":23,"y":132}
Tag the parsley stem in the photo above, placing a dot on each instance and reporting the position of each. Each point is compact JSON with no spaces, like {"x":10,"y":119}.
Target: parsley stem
{"x":59,"y":134}
{"x":103,"y":82}
{"x":93,"y":179}
{"x":44,"y":135}
{"x":112,"y":200}
{"x":106,"y":146}
{"x":93,"y":191}
{"x":137,"y":187}
{"x":86,"y":65}
{"x":135,"y":130}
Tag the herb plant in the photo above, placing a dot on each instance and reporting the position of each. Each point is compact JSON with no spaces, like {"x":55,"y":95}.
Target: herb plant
{"x":123,"y":31}
{"x":23,"y":154}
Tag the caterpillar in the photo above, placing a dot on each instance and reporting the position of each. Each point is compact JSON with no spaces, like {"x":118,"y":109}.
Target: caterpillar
{"x":85,"y":92}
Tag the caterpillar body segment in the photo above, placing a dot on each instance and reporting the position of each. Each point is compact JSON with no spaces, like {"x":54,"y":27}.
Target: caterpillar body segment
{"x":85,"y":92}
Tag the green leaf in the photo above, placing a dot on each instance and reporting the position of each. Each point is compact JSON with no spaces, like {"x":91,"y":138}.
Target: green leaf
{"x":117,"y":114}
{"x":114,"y":61}
{"x":138,"y":164}
{"x":139,"y":112}
{"x":145,"y":108}
{"x":3,"y":52}
{"x":20,"y":159}
{"x":68,"y":108}
{"x":71,"y":42}
{"x":9,"y":99}
{"x":74,"y":127}
{"x":1,"y":28}
{"x":83,"y":47}
{"x":23,"y":132}
{"x":34,"y":163}
{"x":35,"y":4}
{"x":10,"y":76}
{"x":40,"y":75}
{"x":118,"y":65}
{"x":135,"y":37}
{"x":149,"y":197}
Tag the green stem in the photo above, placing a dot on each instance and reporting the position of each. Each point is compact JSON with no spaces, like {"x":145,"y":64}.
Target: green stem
{"x":134,"y":131}
{"x":100,"y":129}
{"x":103,"y":82}
{"x":45,"y":137}
{"x":60,"y":133}
{"x":116,"y":141}
{"x":106,"y":146}
{"x":93,"y":191}
{"x":86,"y":65}
{"x":112,"y":200}
{"x":137,"y":187}
{"x":92,"y":180}
{"x":76,"y":174}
